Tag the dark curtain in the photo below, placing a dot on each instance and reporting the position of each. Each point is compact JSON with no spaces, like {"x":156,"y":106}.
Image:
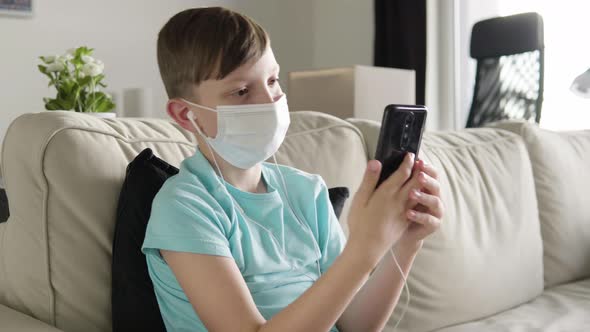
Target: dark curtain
{"x":400,"y":38}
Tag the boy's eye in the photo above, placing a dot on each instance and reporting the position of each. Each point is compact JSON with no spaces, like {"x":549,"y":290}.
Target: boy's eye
{"x":241,"y":92}
{"x":273,"y":81}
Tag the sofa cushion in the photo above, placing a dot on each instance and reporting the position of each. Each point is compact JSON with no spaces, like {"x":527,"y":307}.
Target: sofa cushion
{"x":487,"y":255}
{"x":323,"y":144}
{"x":12,"y":320}
{"x":560,"y":167}
{"x":64,"y":176}
{"x":558,"y":309}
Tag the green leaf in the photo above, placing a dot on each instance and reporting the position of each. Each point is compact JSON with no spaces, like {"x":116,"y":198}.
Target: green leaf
{"x":52,"y":105}
{"x":85,"y":81}
{"x":83,"y":50}
{"x":105,"y":105}
{"x":94,"y":100}
{"x":67,"y":86}
{"x":66,"y":103}
{"x":98,"y":78}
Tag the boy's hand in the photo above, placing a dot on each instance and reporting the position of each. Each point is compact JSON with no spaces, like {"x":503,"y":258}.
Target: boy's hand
{"x":425,"y":208}
{"x":377,"y":217}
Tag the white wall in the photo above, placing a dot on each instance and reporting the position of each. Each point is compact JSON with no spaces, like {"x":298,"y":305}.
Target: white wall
{"x":123,"y":34}
{"x":308,"y":34}
{"x":305,"y":34}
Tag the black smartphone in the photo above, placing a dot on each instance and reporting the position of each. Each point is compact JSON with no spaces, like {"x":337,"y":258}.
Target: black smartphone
{"x":401,"y":132}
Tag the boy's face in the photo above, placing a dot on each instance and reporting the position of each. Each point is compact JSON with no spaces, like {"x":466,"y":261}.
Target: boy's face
{"x":255,"y":82}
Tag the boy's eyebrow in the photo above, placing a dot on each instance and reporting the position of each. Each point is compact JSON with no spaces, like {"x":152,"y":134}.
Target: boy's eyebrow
{"x":275,"y":68}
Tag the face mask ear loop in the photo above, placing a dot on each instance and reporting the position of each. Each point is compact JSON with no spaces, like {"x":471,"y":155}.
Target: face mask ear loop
{"x":190,"y":118}
{"x":296,"y":216}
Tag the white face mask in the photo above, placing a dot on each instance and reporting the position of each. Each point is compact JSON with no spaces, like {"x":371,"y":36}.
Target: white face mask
{"x":248,"y":134}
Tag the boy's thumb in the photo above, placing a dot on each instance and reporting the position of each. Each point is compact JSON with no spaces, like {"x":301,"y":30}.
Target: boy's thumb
{"x":370,"y":180}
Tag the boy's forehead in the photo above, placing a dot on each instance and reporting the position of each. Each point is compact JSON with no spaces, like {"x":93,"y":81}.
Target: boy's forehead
{"x":266,"y":64}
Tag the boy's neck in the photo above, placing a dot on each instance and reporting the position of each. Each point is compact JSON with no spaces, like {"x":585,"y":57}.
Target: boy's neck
{"x":248,"y":180}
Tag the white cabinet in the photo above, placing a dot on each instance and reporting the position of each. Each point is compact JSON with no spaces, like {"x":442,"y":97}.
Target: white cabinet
{"x":356,"y":91}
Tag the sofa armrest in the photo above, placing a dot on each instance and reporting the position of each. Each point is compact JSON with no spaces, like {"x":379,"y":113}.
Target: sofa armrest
{"x":370,"y":130}
{"x":12,"y":320}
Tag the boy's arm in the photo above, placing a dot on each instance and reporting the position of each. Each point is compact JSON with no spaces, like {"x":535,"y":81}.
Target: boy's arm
{"x":374,"y":303}
{"x":214,"y":282}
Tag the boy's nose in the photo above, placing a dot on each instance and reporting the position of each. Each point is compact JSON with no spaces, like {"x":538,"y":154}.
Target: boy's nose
{"x":269,"y":96}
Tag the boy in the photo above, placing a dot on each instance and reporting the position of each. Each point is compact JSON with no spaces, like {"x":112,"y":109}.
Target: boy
{"x":237,"y":244}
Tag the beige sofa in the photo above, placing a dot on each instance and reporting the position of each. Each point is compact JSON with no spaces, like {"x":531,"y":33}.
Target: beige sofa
{"x":513,"y":253}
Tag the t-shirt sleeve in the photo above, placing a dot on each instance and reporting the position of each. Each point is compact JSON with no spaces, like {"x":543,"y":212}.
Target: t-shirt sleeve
{"x":183,"y":220}
{"x":331,"y":236}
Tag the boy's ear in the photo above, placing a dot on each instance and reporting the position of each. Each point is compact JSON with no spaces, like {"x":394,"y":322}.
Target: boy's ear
{"x":179,"y":111}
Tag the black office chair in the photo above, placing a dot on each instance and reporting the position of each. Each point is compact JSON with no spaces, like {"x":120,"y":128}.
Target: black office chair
{"x":510,"y":60}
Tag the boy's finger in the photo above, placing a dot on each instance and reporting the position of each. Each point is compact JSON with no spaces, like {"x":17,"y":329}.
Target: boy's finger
{"x":429,"y":183}
{"x":428,"y":169}
{"x":433,"y":203}
{"x":400,"y":176}
{"x":423,"y":218}
{"x":370,"y":180}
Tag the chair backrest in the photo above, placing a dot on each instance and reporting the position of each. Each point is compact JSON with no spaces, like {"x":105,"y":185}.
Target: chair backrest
{"x":509,"y":76}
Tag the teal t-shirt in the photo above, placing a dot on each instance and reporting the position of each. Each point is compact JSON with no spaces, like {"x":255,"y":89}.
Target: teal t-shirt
{"x":193,"y":213}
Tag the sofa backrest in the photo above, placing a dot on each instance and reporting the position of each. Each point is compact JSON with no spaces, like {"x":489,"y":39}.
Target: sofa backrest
{"x":561,"y":163}
{"x":63,"y":173}
{"x":487,"y":255}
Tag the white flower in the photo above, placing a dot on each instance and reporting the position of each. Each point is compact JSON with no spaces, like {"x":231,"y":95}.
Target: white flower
{"x":92,"y":69}
{"x":87,"y":59}
{"x":63,"y":59}
{"x":81,"y":75}
{"x":49,"y":58}
{"x":99,"y":63}
{"x":71,"y":51}
{"x":55,"y":66}
{"x":67,"y":56}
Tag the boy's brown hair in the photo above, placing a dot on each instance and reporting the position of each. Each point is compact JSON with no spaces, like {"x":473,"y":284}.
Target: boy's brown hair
{"x":203,"y":43}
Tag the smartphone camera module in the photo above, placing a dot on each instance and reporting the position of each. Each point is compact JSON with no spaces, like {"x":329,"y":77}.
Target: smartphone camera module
{"x":407,"y":130}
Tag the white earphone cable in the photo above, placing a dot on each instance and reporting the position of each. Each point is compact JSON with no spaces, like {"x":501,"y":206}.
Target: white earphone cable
{"x":235,"y":203}
{"x":407,"y":288}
